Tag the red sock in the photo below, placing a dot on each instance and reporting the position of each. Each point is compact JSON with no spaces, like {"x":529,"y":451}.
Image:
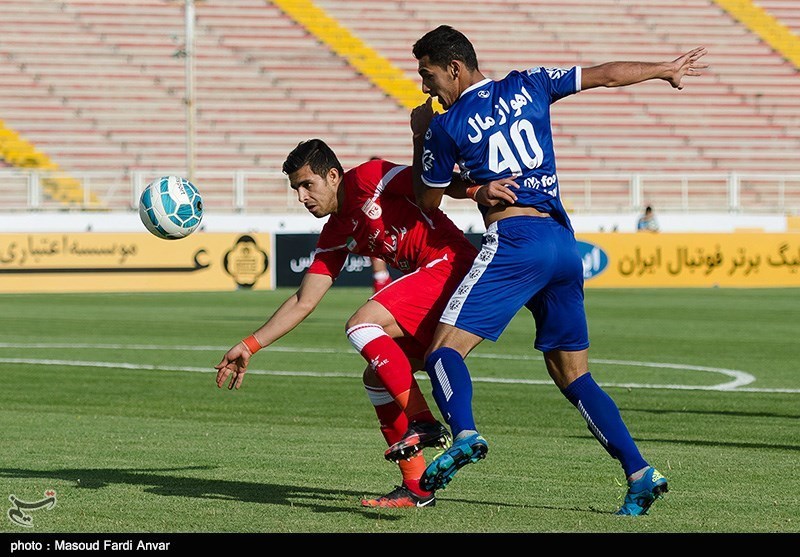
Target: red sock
{"x":393,"y":420}
{"x":392,"y":367}
{"x":412,"y":471}
{"x":394,"y":424}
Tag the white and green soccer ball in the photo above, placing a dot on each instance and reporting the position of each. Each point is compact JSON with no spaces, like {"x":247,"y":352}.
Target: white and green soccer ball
{"x":171,"y":207}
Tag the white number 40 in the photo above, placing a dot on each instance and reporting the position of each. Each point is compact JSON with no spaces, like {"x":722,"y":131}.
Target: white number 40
{"x":529,"y":153}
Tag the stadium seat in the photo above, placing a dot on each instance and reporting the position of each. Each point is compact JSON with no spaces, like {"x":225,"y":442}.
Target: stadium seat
{"x":109,"y":96}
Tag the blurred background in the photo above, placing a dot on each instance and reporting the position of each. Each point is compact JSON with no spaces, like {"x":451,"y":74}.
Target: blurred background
{"x":695,"y":319}
{"x":98,"y":98}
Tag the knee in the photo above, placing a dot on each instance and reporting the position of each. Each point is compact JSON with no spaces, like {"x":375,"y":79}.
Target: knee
{"x":563,"y":378}
{"x":436,"y":343}
{"x":452,"y":338}
{"x":354,"y":320}
{"x":444,"y":352}
{"x":360,"y":334}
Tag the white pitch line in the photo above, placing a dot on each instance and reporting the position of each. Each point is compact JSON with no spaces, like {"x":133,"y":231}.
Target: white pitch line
{"x":165,"y":347}
{"x":129,"y":366}
{"x":740,"y":378}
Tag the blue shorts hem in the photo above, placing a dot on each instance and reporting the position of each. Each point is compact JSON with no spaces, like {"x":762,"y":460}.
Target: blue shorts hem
{"x":563,"y":347}
{"x":484,"y":335}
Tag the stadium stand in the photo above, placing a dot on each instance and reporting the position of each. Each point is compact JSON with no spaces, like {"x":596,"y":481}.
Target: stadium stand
{"x":108,"y":96}
{"x":785,"y":11}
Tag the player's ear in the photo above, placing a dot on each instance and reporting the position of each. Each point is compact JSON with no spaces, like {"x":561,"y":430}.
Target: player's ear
{"x":455,"y":68}
{"x":333,"y":175}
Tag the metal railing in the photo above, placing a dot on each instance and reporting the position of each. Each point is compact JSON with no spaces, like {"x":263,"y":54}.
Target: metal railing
{"x":268,"y":192}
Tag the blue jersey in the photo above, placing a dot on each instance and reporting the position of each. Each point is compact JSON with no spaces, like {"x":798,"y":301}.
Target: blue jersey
{"x":501,"y":129}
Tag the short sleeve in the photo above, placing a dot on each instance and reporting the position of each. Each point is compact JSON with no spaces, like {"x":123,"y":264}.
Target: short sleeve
{"x":557,"y":82}
{"x":438,"y":156}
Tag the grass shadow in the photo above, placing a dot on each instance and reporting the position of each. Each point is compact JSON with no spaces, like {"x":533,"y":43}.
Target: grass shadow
{"x":163,"y":482}
{"x":737,"y":413}
{"x":704,"y":443}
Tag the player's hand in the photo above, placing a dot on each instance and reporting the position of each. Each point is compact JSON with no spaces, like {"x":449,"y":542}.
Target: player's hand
{"x":687,"y":65}
{"x":497,"y":192}
{"x":233,"y":365}
{"x":421,"y":118}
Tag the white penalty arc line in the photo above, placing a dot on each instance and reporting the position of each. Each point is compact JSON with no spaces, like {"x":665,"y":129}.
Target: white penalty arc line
{"x":740,"y":378}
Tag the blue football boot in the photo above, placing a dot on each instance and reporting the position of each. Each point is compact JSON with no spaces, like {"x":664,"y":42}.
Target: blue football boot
{"x":643,"y":492}
{"x":463,"y":451}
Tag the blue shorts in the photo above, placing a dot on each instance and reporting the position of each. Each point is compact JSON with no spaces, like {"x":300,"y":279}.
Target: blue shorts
{"x":524,"y":261}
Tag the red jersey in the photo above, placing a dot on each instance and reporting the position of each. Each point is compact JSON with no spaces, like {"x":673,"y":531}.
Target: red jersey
{"x":379,"y":218}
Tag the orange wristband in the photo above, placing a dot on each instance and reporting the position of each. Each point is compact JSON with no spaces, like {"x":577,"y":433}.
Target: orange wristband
{"x":472,"y":191}
{"x":252,"y":344}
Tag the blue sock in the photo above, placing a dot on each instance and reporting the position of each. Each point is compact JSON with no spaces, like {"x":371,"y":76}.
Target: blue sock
{"x":605,"y":423}
{"x":452,"y":388}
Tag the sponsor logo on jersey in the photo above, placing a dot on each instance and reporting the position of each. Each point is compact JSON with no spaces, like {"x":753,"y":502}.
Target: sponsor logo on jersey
{"x":372,"y":239}
{"x":594,"y":259}
{"x":351,"y":244}
{"x":372,"y":209}
{"x":390,"y":242}
{"x":555,"y":73}
{"x":540,"y":183}
{"x":427,"y":159}
{"x":483,"y":94}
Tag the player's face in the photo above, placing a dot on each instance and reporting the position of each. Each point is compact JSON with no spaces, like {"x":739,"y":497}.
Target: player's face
{"x":438,"y":82}
{"x":317,"y":193}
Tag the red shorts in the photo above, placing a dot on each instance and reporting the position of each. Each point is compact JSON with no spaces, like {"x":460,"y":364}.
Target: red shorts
{"x":416,"y":301}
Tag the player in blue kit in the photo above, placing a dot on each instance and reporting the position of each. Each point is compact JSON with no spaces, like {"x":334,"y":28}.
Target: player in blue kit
{"x":499,"y":131}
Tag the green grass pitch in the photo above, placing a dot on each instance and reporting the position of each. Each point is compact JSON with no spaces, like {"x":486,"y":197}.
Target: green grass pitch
{"x":110,"y":401}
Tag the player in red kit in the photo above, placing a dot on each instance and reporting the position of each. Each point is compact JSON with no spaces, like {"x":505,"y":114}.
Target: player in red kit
{"x":373,"y":213}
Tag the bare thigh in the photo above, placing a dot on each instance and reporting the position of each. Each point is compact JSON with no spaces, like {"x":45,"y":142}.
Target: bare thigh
{"x":373,"y":312}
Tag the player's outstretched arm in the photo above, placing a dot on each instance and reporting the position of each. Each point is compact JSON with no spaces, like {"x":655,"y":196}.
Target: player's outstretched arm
{"x":619,"y":74}
{"x":291,"y":313}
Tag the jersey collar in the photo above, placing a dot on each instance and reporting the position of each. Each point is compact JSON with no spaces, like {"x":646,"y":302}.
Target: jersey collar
{"x":474,"y":86}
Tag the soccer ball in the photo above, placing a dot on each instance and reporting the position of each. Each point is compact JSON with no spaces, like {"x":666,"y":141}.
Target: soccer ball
{"x":171,"y":207}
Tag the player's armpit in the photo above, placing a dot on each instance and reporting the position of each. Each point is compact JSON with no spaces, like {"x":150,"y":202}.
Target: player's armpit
{"x":430,"y":199}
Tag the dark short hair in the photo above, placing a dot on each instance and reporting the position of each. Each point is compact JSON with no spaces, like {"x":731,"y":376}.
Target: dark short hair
{"x":316,"y":154}
{"x":443,"y":45}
